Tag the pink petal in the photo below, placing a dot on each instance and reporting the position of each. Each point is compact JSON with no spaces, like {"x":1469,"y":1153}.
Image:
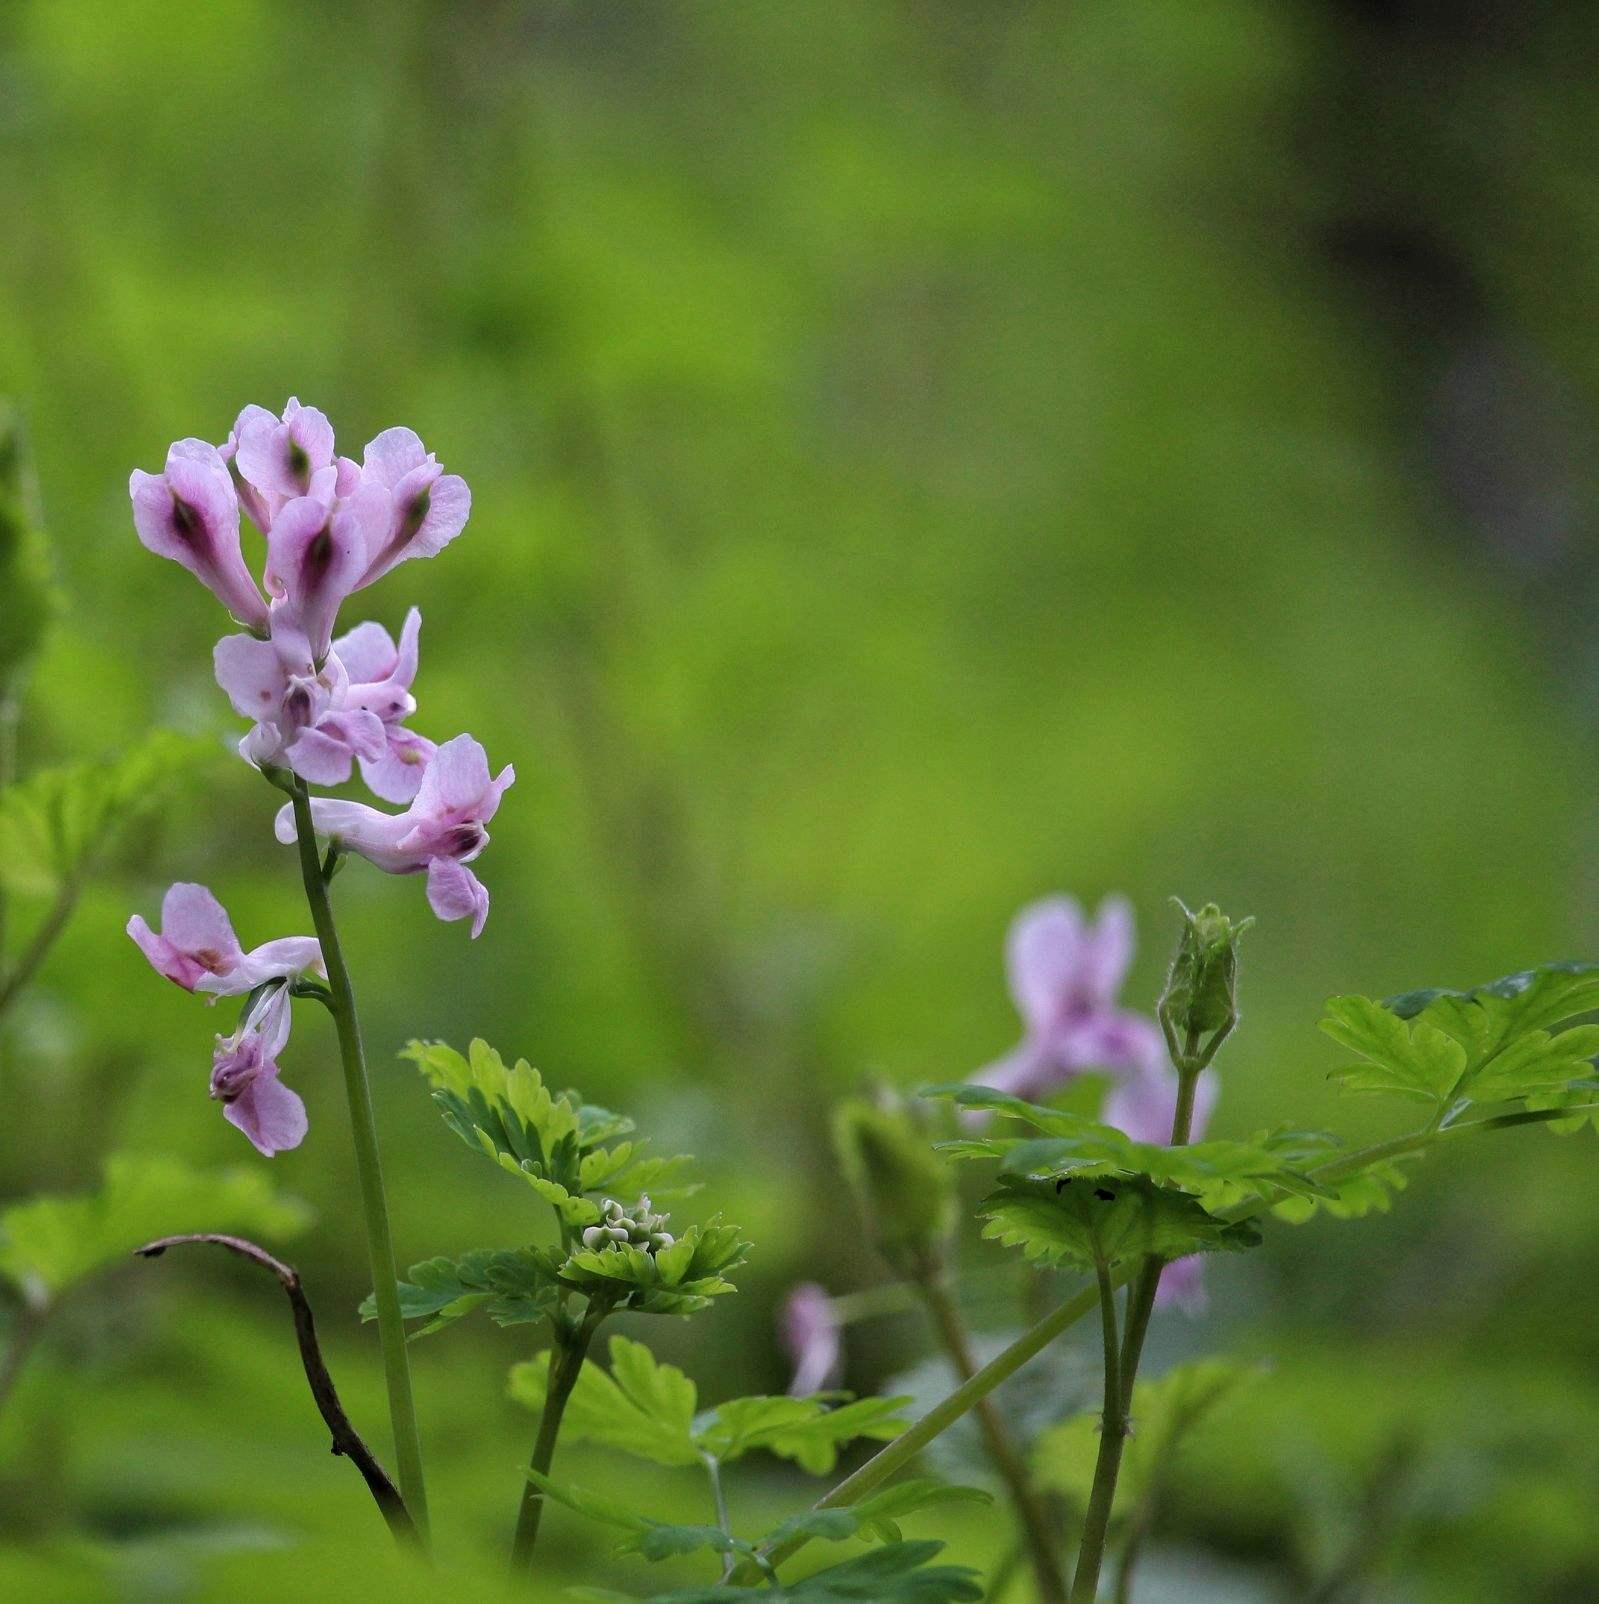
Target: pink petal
{"x":314,"y":558}
{"x":197,"y":924}
{"x":1182,"y":1282}
{"x":271,"y":1115}
{"x":1106,"y":950}
{"x":319,"y":757}
{"x":368,"y":654}
{"x":1041,"y":956}
{"x":250,"y":672}
{"x":164,"y":958}
{"x":393,"y":454}
{"x":454,"y":892}
{"x":397,"y":775}
{"x":457,"y":779}
{"x":449,"y":507}
{"x":283,"y":959}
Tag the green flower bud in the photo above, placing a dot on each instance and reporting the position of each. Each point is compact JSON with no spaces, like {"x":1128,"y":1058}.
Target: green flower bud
{"x":1201,"y":996}
{"x":905,"y":1191}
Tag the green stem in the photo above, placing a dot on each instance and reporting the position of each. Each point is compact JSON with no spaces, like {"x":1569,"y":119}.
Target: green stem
{"x":369,"y":1172}
{"x":889,"y":1460}
{"x":567,"y":1353}
{"x":724,"y":1523}
{"x":37,"y":950}
{"x":1108,"y":1461}
{"x":1002,"y":1450}
{"x":8,"y":773}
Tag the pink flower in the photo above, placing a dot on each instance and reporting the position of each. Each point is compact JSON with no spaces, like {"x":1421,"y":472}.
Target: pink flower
{"x":196,"y":947}
{"x":812,"y":1336}
{"x":244,"y":1077}
{"x":381,"y":675}
{"x":303,"y":718}
{"x":427,"y":508}
{"x":1143,"y":1106}
{"x":1064,"y":976}
{"x":189,"y":513}
{"x":277,"y":458}
{"x":441,"y":831}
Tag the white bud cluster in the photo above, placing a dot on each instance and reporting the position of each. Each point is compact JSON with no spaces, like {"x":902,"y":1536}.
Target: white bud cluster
{"x":636,"y":1225}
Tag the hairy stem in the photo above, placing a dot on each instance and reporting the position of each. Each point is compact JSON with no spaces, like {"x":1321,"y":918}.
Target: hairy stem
{"x":724,"y":1523}
{"x":567,"y":1352}
{"x":893,"y":1457}
{"x":1108,"y":1461}
{"x":997,"y":1440}
{"x":346,"y":1439}
{"x":369,"y":1171}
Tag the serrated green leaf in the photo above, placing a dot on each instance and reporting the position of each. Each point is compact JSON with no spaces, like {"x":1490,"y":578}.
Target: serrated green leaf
{"x":1164,"y":1411}
{"x":1370,"y":1192}
{"x":1220,"y":1174}
{"x":806,"y":1430}
{"x":1407,"y":1058}
{"x":1103,"y":1220}
{"x":1511,"y":1040}
{"x":640,"y":1406}
{"x":47,"y":1244}
{"x":514,"y":1285}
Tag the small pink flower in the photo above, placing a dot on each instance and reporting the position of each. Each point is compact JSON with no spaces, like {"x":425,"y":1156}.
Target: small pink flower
{"x":1064,"y":976}
{"x":427,"y":508}
{"x":441,"y":831}
{"x":244,"y":1077}
{"x":381,"y":675}
{"x":302,"y":716}
{"x":197,"y":949}
{"x":189,"y":513}
{"x":1143,"y":1106}
{"x":277,"y":458}
{"x":812,"y":1336}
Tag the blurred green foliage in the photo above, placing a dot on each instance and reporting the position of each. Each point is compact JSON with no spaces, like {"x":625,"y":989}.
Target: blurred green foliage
{"x":923,"y":455}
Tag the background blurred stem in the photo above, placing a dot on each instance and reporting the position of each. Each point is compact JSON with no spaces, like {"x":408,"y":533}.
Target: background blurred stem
{"x":1002,"y":1450}
{"x":369,"y":1171}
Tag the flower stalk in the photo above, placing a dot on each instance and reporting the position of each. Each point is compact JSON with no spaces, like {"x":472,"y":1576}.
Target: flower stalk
{"x":368,"y":1168}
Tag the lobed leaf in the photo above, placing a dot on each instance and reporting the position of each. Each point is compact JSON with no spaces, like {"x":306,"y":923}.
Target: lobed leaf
{"x":1091,"y":1221}
{"x":809,"y":1431}
{"x":1512,"y":1040}
{"x":515,"y":1286}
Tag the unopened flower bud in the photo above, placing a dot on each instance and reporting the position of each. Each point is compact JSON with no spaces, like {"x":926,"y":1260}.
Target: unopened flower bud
{"x":1200,"y":999}
{"x":904,"y":1191}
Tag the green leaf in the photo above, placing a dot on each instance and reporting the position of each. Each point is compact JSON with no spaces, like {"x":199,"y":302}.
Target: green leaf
{"x":1511,"y":1040}
{"x":552,"y":1141}
{"x":806,"y":1430}
{"x":1369,"y":1192}
{"x":641,"y":1406}
{"x":897,"y":1573}
{"x":681,"y":1279}
{"x":56,"y":822}
{"x":1219,"y":1173}
{"x":878,"y":1515}
{"x":906,"y":1195}
{"x":1087,"y":1221}
{"x":1163,"y":1413}
{"x":1407,"y":1058}
{"x":48,"y":1244}
{"x":515,"y":1286}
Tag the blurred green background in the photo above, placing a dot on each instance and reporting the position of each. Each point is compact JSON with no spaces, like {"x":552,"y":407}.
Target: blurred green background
{"x":925,"y":455}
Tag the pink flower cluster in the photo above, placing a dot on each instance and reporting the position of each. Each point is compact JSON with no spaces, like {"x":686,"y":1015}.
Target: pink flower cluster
{"x":321,"y":705}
